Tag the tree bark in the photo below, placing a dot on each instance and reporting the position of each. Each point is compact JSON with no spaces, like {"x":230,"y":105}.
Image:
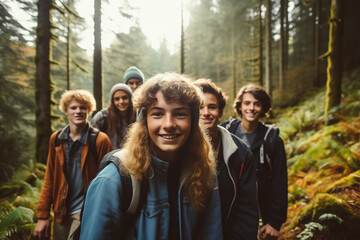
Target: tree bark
{"x":182,"y":42}
{"x":334,"y":69}
{"x":43,"y":81}
{"x":97,"y":75}
{"x":281,"y":48}
{"x":260,"y":47}
{"x":268,"y":47}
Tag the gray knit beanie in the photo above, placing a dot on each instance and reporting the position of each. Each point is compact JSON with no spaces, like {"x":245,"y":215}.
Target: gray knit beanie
{"x":133,"y":72}
{"x":120,"y":86}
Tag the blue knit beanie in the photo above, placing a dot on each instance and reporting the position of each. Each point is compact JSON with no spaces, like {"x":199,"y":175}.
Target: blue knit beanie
{"x":120,"y":86}
{"x":133,"y":72}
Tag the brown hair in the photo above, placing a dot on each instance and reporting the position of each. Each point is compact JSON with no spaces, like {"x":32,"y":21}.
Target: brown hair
{"x":259,"y":93}
{"x":197,"y":158}
{"x":79,"y":95}
{"x":207,"y":86}
{"x":114,"y":123}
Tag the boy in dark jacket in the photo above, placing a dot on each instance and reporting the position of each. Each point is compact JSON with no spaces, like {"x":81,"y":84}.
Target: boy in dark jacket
{"x":235,"y":168}
{"x":251,"y":103}
{"x":71,"y":164}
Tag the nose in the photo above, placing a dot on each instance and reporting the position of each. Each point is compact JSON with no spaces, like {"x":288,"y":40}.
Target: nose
{"x":168,"y":121}
{"x":251,"y":106}
{"x":204,"y":111}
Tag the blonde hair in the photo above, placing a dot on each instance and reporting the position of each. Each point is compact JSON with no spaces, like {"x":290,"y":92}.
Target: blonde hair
{"x":79,"y":95}
{"x":197,"y":159}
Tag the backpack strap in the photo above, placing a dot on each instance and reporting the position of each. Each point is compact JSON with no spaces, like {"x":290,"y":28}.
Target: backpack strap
{"x":267,"y":146}
{"x":92,"y":141}
{"x":232,"y":124}
{"x":133,"y":193}
{"x":57,"y":139}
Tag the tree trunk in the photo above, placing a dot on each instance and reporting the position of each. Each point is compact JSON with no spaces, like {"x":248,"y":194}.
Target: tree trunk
{"x":334,"y":69}
{"x":317,"y":42}
{"x":43,"y":82}
{"x":68,"y":49}
{"x":97,"y":75}
{"x":281,"y":48}
{"x":234,"y":59}
{"x":260,"y":47}
{"x":182,"y":47}
{"x":268,"y":47}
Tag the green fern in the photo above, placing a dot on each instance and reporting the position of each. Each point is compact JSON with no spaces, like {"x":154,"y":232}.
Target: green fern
{"x":328,"y":217}
{"x":12,"y":222}
{"x":310,"y":229}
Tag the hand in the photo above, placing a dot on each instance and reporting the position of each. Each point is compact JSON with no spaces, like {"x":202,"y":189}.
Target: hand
{"x":267,"y":232}
{"x":42,"y":229}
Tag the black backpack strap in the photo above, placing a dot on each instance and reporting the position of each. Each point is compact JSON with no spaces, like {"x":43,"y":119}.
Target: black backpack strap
{"x":92,"y":141}
{"x":57,"y":139}
{"x":266,"y":149}
{"x":232,"y":124}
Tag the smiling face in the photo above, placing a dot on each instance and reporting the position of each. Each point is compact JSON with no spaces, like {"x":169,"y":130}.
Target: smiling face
{"x":210,"y":112}
{"x":134,"y":83}
{"x":77,"y":113}
{"x":251,"y":108}
{"x":169,"y":126}
{"x":121,"y":100}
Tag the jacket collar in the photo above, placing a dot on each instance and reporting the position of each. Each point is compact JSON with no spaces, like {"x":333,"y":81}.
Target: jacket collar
{"x":229,"y":147}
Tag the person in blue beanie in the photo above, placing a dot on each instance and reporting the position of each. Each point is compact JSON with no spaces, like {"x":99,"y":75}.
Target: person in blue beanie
{"x":133,"y":77}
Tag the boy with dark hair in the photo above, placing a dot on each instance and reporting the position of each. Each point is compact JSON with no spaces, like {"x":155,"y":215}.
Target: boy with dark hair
{"x":251,"y":103}
{"x":235,"y":168}
{"x":71,"y":165}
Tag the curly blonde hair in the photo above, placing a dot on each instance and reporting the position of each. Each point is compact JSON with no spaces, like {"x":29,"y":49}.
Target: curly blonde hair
{"x":79,"y":95}
{"x":197,"y":159}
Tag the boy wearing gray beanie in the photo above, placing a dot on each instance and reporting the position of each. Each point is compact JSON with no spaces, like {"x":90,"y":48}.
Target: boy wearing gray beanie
{"x":133,"y":77}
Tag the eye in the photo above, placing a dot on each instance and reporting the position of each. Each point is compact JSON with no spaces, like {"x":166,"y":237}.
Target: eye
{"x":156,"y":114}
{"x":83,"y":108}
{"x":181,"y":114}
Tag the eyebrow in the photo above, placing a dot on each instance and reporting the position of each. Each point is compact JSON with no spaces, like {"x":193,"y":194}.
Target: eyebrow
{"x":176,"y":109}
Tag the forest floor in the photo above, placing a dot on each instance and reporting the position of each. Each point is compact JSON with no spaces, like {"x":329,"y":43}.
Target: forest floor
{"x":323,"y":166}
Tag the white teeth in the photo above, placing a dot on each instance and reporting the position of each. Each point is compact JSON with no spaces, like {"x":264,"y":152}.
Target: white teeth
{"x":168,"y":136}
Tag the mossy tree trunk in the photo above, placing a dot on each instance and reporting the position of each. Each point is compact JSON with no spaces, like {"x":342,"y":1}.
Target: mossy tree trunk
{"x":268,"y":47}
{"x":182,"y":47}
{"x":334,"y":68}
{"x":260,"y":29}
{"x":97,"y":75}
{"x":43,"y":81}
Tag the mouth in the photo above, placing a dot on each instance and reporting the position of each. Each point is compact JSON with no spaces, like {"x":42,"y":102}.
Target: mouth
{"x":169,"y":136}
{"x":206,"y":120}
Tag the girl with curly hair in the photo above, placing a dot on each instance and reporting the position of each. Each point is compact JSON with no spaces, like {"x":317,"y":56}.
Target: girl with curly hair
{"x":167,"y":147}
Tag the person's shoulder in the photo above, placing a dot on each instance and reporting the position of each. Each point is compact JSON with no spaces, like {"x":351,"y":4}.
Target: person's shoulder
{"x":101,"y":114}
{"x":109,"y":172}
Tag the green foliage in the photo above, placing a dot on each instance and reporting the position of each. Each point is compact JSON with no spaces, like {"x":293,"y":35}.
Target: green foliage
{"x":16,"y":102}
{"x":312,"y":228}
{"x":16,"y":222}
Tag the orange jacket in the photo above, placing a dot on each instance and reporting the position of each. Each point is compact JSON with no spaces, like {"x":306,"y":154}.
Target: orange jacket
{"x":55,"y":187}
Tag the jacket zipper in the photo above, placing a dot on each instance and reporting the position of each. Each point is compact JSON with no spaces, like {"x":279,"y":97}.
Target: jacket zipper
{"x":234,"y":185}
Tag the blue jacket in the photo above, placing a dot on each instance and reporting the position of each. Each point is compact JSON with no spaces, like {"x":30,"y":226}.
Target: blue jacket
{"x":103,"y":216}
